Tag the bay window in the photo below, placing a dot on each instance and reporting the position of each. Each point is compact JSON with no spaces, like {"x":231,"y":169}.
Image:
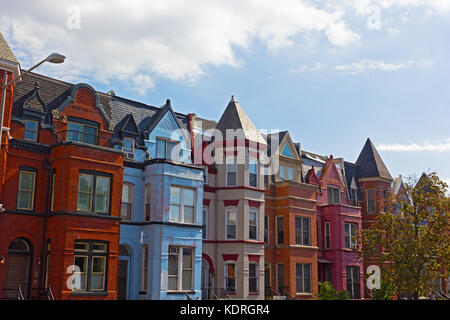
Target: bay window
{"x":231,"y":224}
{"x":94,"y":190}
{"x":303,"y":278}
{"x":26,"y":190}
{"x":302,"y":232}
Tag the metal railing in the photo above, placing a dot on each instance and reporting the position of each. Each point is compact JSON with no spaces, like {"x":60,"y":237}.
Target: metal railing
{"x":218,"y":294}
{"x":20,"y":294}
{"x":50,"y":295}
{"x":84,"y":138}
{"x":440,"y":294}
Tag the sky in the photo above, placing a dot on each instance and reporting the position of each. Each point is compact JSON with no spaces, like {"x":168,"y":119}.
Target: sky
{"x":332,"y":73}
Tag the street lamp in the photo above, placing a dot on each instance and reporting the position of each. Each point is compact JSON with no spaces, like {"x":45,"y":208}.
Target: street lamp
{"x":52,"y":58}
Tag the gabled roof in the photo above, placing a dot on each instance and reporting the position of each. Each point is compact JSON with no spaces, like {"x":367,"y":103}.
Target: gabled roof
{"x":149,"y":124}
{"x":6,"y":52}
{"x":126,"y":127}
{"x":370,"y":163}
{"x":235,"y":118}
{"x":278,"y":136}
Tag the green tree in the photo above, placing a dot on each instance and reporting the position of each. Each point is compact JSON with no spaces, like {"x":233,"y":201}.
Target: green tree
{"x":327,"y":292}
{"x":411,"y":244}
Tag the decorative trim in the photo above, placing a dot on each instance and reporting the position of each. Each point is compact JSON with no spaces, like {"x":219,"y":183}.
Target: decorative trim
{"x":29,"y":146}
{"x":231,"y":203}
{"x":254,"y":258}
{"x":230,"y":257}
{"x":206,"y":202}
{"x":210,"y":263}
{"x":254,"y":204}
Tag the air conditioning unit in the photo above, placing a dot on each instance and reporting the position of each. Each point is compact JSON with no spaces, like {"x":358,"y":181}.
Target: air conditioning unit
{"x":129,"y":156}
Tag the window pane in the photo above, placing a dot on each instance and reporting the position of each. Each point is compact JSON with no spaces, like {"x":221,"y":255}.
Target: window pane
{"x":81,"y":262}
{"x":175,"y":195}
{"x":24,"y":200}
{"x":160,"y":149}
{"x":282,"y":173}
{"x":171,"y":155}
{"x":189,"y":197}
{"x":174,"y":214}
{"x":186,"y":280}
{"x":74,"y":132}
{"x":99,"y":247}
{"x":307,"y":277}
{"x":98,"y":264}
{"x":102,"y":194}
{"x":188,"y":214}
{"x":85,"y":183}
{"x":173,"y":264}
{"x":291,"y":173}
{"x":305,"y":232}
{"x":31,"y":125}
{"x":90,"y":135}
{"x":26,"y":181}
{"x":84,"y":202}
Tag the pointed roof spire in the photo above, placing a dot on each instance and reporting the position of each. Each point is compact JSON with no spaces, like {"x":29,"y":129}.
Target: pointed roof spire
{"x":6,"y":52}
{"x":370,"y":163}
{"x":235,"y":118}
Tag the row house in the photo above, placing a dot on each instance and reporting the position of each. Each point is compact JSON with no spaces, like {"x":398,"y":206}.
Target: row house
{"x":61,"y":188}
{"x":290,"y":228}
{"x":233,"y":204}
{"x":160,"y":253}
{"x":100,"y":198}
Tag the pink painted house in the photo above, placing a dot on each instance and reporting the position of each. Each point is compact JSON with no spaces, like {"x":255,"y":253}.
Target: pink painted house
{"x":339,"y":223}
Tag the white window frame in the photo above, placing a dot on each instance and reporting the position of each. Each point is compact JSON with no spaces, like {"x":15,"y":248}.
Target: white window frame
{"x":144,"y":274}
{"x":227,"y":211}
{"x":374,"y":200}
{"x":327,"y":234}
{"x":225,"y":276}
{"x":32,"y":191}
{"x":353,"y":242}
{"x":181,"y":269}
{"x":276,"y":228}
{"x":182,"y":189}
{"x":256,"y":264}
{"x":28,"y":130}
{"x":334,"y":189}
{"x":256,"y":212}
{"x":250,"y":164}
{"x":302,"y":218}
{"x":303,"y":277}
{"x":131,"y":185}
{"x":227,"y":171}
{"x":129,"y":153}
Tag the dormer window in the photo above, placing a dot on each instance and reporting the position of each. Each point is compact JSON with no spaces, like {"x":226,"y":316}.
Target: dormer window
{"x":128,"y":147}
{"x":31,"y":130}
{"x":164,"y":149}
{"x":82,"y":132}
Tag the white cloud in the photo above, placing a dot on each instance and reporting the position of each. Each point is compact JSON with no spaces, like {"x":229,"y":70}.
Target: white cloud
{"x":177,"y":39}
{"x":435,"y":146}
{"x":366,"y":65}
{"x":305,"y":68}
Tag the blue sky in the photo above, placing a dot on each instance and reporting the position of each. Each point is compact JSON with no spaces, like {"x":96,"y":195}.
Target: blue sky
{"x":331,"y":72}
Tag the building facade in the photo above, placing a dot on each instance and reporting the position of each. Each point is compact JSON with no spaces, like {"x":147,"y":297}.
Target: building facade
{"x":233,"y":205}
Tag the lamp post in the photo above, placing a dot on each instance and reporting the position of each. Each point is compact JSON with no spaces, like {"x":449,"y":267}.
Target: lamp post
{"x":52,"y":58}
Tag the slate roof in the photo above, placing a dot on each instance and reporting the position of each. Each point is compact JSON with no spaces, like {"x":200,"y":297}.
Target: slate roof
{"x":370,"y":163}
{"x":6,"y":52}
{"x":269,"y":137}
{"x":235,"y":118}
{"x":351,"y":171}
{"x":53,"y":92}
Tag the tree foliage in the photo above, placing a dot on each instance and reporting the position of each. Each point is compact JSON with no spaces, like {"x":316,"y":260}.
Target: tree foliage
{"x":411,"y":242}
{"x":327,"y":292}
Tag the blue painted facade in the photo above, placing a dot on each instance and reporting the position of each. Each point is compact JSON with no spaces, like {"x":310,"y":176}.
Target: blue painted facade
{"x":158,"y":233}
